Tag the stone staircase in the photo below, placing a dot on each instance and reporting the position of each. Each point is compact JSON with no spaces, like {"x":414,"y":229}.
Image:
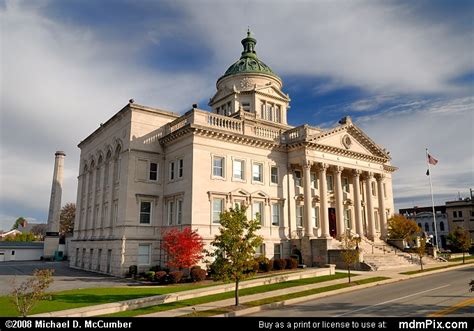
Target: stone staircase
{"x":378,"y":255}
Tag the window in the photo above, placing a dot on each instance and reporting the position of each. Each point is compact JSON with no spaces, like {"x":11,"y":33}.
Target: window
{"x":330,"y":182}
{"x":347,"y":218}
{"x":277,"y":114}
{"x":238,"y":205}
{"x":170,"y":212}
{"x":427,"y":227}
{"x":274,"y":175}
{"x":144,"y":251}
{"x":262,"y":111}
{"x":260,"y":250}
{"x":316,"y":217}
{"x":455,"y":214}
{"x":83,"y":257}
{"x":441,"y":226}
{"x":99,"y":257}
{"x":115,"y":218}
{"x":314,"y":180}
{"x":459,"y":213}
{"x":218,"y":166}
{"x":145,"y":212}
{"x":376,"y":220}
{"x":181,"y":167}
{"x":257,"y":172}
{"x":299,"y":215}
{"x":372,"y":184}
{"x":257,"y":211}
{"x":277,"y":251}
{"x":105,"y":213}
{"x":172,"y":170}
{"x":153,"y":174}
{"x":109,"y":260}
{"x":384,"y":190}
{"x":238,"y":169}
{"x":13,"y":253}
{"x":217,"y":209}
{"x":77,"y":257}
{"x":269,"y":112}
{"x":298,"y":178}
{"x":179,"y":211}
{"x":91,"y":254}
{"x":276,"y":214}
{"x":472,"y":213}
{"x":246,"y":106}
{"x":345,"y":184}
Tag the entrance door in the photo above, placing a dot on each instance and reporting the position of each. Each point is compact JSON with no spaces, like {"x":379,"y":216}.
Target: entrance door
{"x":332,"y":222}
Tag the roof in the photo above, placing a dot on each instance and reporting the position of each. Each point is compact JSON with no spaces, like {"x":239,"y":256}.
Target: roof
{"x":21,"y":244}
{"x":249,"y":62}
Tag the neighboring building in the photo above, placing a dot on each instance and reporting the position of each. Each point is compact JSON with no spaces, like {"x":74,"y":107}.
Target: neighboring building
{"x":11,"y":233}
{"x":147,"y":170}
{"x":423,"y":216}
{"x":20,"y":251}
{"x":461,"y":213}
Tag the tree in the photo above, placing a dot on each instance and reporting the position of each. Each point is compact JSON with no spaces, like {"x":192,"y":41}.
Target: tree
{"x":399,"y":227}
{"x":66,"y":218}
{"x":420,"y":250}
{"x":19,"y":220}
{"x":39,"y":230}
{"x":460,"y":240}
{"x":25,"y":296}
{"x":23,"y":237}
{"x":350,"y":251}
{"x":234,"y":247}
{"x":184,"y":248}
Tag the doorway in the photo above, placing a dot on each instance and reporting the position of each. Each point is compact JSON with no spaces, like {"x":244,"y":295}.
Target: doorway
{"x":332,"y":222}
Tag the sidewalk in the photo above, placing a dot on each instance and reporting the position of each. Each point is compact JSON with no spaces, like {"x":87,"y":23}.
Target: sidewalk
{"x":393,"y":274}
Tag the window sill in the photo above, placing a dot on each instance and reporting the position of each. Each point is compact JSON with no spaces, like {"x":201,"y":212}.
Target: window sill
{"x":257,"y":182}
{"x":218,"y":178}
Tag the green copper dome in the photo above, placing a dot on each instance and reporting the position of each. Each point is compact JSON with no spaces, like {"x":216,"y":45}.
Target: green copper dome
{"x":249,"y":62}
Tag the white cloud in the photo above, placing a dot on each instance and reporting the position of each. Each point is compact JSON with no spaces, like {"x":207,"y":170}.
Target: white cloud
{"x":58,"y":83}
{"x":379,"y":46}
{"x":443,"y":126}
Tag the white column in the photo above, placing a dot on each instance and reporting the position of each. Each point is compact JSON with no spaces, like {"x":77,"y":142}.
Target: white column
{"x":78,"y":219}
{"x":323,"y":210}
{"x":370,"y":208}
{"x":56,"y":192}
{"x":86,"y":204}
{"x":308,"y":227}
{"x":357,"y":202}
{"x":382,"y":217}
{"x":291,"y":203}
{"x":339,"y":203}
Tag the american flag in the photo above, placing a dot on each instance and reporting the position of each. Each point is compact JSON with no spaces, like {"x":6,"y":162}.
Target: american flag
{"x":432,"y":160}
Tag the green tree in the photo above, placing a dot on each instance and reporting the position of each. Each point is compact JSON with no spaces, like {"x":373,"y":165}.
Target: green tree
{"x":350,"y":251}
{"x":27,"y":294}
{"x":66,"y":218}
{"x":234,"y":247}
{"x":399,"y":227}
{"x":23,"y":237}
{"x":460,"y":240}
{"x":19,"y":220}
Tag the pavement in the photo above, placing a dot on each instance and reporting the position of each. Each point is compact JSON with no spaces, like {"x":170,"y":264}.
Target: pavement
{"x":393,"y":274}
{"x":65,"y":278}
{"x":439,"y":294}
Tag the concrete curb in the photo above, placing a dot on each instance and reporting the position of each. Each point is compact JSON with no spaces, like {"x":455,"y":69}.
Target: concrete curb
{"x":280,"y":304}
{"x":115,"y":307}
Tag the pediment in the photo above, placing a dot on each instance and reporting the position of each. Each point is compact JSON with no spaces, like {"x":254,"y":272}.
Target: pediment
{"x":350,"y":138}
{"x":222,"y":93}
{"x":240,"y":192}
{"x":259,"y":194}
{"x":272,"y":91}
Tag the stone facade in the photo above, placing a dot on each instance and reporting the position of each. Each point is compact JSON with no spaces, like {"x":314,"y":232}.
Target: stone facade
{"x":146,"y":170}
{"x":461,"y":213}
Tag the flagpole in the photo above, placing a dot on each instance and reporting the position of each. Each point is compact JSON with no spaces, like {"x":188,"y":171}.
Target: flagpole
{"x":432,"y":200}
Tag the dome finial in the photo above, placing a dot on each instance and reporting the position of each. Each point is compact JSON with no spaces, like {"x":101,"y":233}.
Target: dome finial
{"x":249,"y":45}
{"x":248,"y":31}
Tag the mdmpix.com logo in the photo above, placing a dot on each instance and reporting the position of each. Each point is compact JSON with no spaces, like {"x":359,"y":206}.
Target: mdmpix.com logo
{"x":433,"y":324}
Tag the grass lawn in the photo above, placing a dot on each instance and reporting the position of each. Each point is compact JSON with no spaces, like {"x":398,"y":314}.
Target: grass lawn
{"x":92,"y":296}
{"x":227,"y":295}
{"x":437,"y":268}
{"x":459,"y":259}
{"x":223,"y":310}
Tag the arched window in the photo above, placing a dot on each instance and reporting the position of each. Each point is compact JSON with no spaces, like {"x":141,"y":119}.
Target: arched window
{"x":107,"y":169}
{"x":97,"y":176}
{"x":441,"y":226}
{"x":117,"y":164}
{"x":427,"y":227}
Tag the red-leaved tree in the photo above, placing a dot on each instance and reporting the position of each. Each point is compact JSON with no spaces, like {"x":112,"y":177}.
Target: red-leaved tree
{"x":184,"y":248}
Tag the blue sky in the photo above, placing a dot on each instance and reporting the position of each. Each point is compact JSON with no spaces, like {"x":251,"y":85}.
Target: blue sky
{"x":404,"y":71}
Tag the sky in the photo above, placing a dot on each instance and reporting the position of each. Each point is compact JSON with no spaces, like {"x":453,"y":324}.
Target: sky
{"x":403,"y":70}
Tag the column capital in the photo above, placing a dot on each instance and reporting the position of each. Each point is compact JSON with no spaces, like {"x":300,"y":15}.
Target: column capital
{"x":307,"y":164}
{"x":338,"y":169}
{"x":356,"y":173}
{"x":368,"y":175}
{"x":322,"y":166}
{"x":379,"y":177}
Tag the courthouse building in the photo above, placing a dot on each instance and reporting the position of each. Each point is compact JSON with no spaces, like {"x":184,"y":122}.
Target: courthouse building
{"x":147,"y":170}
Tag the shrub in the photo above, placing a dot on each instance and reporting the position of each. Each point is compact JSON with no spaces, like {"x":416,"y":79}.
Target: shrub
{"x":265,"y":265}
{"x":198,"y":274}
{"x":291,"y":263}
{"x":279,"y":264}
{"x":175,"y":276}
{"x":161,"y":277}
{"x":29,"y":292}
{"x":155,"y":268}
{"x":150,"y":275}
{"x":256,"y":266}
{"x":132,"y":270}
{"x":195,"y":267}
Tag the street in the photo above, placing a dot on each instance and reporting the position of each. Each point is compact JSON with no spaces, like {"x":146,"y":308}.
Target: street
{"x":442,"y":294}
